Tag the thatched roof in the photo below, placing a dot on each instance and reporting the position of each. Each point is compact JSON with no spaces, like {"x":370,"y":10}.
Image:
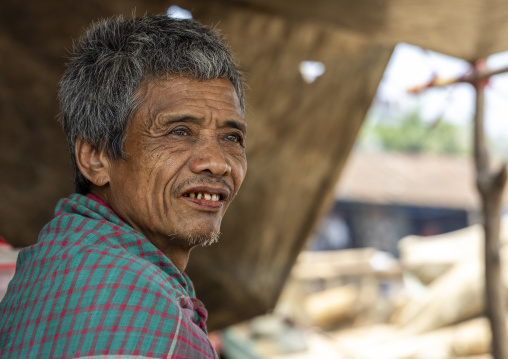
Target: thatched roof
{"x":299,"y":134}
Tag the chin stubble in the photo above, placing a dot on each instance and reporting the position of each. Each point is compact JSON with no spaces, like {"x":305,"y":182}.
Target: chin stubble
{"x":203,"y":240}
{"x":199,"y":239}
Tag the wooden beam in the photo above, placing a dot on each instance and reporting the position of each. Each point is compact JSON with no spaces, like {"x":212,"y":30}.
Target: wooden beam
{"x":471,"y":78}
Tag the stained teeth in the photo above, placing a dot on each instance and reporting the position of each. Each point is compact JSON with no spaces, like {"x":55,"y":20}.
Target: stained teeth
{"x":206,"y":196}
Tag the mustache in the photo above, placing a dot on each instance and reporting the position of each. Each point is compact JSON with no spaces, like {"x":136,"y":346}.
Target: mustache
{"x":203,"y":181}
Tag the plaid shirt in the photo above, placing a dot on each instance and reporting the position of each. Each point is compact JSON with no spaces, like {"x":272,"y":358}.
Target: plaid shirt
{"x":93,"y":287}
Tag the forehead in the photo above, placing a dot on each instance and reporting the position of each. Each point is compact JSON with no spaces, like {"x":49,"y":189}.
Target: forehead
{"x":182,"y":94}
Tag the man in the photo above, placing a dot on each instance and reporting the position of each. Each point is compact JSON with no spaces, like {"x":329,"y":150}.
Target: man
{"x":154,"y":115}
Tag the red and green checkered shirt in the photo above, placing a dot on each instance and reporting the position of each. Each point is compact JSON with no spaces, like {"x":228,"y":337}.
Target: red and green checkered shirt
{"x":93,"y":287}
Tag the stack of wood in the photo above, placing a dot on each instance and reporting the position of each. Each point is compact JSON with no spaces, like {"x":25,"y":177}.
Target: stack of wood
{"x":439,"y":316}
{"x":338,"y":288}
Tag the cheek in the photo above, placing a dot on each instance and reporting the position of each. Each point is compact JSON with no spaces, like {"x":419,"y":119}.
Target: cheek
{"x":239,"y":171}
{"x":138,"y":179}
{"x":165,"y":173}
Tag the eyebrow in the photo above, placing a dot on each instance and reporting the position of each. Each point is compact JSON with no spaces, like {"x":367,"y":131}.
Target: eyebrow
{"x":189,"y":118}
{"x":183,"y":118}
{"x":236,"y":124}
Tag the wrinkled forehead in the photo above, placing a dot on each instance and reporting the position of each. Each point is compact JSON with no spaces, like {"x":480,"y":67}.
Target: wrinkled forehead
{"x":177,"y":93}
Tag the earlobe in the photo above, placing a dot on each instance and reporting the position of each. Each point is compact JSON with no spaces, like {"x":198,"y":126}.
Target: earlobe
{"x":92,"y":162}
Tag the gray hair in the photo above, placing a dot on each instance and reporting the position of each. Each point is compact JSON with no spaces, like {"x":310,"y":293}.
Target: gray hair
{"x":108,"y":64}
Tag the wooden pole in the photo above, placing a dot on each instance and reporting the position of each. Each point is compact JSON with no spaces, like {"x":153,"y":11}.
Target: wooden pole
{"x":472,"y":78}
{"x":490,"y":185}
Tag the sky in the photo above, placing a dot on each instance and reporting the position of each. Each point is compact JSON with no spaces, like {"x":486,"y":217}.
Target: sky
{"x":411,"y":65}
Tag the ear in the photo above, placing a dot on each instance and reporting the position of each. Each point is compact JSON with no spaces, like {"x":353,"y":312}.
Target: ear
{"x":92,"y":163}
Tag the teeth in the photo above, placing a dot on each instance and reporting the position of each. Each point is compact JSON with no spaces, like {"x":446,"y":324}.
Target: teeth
{"x":207,"y":196}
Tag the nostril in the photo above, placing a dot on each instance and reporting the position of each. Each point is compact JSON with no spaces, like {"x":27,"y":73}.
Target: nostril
{"x":211,"y":163}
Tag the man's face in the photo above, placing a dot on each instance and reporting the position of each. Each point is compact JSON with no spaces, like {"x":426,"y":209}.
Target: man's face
{"x":185,"y":161}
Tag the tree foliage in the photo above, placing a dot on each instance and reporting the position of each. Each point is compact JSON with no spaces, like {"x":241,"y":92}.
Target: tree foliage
{"x":411,"y":134}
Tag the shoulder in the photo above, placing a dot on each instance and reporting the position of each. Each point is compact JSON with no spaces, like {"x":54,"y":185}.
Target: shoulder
{"x":101,"y":302}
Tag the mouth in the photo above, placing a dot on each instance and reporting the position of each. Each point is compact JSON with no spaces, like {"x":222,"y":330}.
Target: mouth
{"x":206,"y":197}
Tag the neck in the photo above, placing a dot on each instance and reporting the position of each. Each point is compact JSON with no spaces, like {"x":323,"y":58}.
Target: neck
{"x":176,"y":250}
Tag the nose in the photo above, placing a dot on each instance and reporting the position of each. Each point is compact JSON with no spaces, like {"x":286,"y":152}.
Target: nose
{"x":209,"y":157}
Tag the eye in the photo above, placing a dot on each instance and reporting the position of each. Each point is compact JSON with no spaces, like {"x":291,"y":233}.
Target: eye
{"x":180,"y":132}
{"x":235,"y":137}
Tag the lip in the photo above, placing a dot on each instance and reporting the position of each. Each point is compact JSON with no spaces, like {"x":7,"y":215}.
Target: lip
{"x":207,"y":204}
